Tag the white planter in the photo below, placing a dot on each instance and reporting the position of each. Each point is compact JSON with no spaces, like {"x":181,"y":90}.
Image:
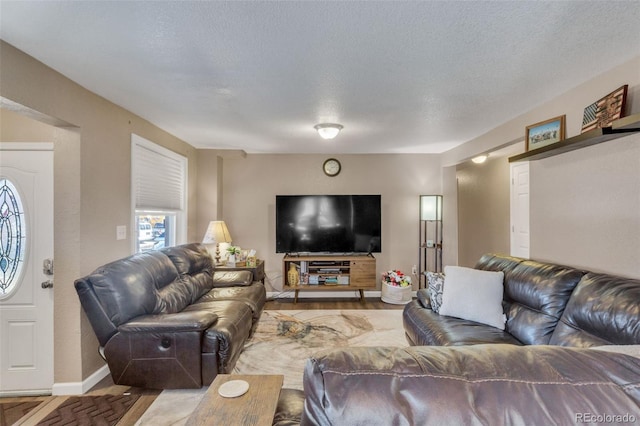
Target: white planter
{"x":395,"y":295}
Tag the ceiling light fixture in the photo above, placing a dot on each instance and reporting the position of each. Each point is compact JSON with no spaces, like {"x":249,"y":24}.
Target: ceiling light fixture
{"x":479,"y":159}
{"x":328,"y":130}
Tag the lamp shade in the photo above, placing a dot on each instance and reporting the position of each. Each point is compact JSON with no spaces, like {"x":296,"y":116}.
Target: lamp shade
{"x":217,"y":232}
{"x":431,"y":207}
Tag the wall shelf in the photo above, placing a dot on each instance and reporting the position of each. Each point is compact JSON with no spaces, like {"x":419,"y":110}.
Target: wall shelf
{"x":619,"y":128}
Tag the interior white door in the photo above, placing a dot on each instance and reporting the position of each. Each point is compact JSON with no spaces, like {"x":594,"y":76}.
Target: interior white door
{"x":520,"y":209}
{"x":26,"y":293}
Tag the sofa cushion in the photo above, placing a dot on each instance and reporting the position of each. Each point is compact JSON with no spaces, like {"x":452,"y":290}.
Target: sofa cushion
{"x":227,"y":336}
{"x":289,"y":408}
{"x":536,"y":295}
{"x":195,"y":266}
{"x":127,"y":288}
{"x":473,"y":295}
{"x":190,"y":259}
{"x":497,"y":262}
{"x":472,"y":385}
{"x":603,"y":310}
{"x":435,"y":284}
{"x":232,"y":278}
{"x":425,"y":327}
{"x":423,"y":298}
{"x":253,"y":296}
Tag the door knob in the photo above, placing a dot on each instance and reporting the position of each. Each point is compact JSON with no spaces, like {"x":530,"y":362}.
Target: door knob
{"x":47,"y":284}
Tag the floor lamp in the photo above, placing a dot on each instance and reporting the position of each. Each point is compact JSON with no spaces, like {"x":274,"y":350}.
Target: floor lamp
{"x":430,"y":234}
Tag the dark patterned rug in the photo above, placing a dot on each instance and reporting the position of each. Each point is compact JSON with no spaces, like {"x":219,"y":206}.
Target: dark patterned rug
{"x":11,"y":412}
{"x":102,"y":410}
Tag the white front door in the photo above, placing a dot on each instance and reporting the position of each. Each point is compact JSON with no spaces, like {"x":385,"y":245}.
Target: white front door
{"x":26,"y":304}
{"x":520,"y":210}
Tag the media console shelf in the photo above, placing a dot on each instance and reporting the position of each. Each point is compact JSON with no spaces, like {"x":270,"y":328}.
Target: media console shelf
{"x":332,"y":273}
{"x":619,"y":128}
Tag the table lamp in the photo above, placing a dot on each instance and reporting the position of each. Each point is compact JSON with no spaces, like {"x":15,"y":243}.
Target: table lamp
{"x":217,"y":232}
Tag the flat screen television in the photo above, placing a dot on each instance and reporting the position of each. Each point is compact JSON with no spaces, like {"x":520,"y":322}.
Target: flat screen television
{"x":328,"y":224}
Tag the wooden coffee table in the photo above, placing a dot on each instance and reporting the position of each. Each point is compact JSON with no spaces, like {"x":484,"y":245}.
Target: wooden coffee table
{"x":256,"y":407}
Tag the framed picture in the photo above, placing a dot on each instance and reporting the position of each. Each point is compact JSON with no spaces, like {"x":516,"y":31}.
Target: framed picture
{"x":545,"y":133}
{"x":604,"y":111}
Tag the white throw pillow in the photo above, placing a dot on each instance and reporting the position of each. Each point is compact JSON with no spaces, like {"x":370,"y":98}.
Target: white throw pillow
{"x":473,"y":295}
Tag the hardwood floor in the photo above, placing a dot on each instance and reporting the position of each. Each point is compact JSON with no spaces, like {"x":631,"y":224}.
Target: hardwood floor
{"x":325,"y":303}
{"x":147,"y":397}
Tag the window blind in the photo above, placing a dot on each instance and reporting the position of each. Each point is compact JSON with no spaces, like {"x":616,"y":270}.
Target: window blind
{"x":158,"y":176}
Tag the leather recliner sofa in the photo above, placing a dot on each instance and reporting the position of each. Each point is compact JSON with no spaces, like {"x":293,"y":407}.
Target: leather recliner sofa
{"x":545,"y":304}
{"x":570,"y":353}
{"x":166,"y":319}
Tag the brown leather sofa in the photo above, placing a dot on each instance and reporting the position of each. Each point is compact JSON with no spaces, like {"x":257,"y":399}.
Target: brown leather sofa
{"x":166,"y":319}
{"x":488,"y":384}
{"x":542,"y":369}
{"x":545,"y":304}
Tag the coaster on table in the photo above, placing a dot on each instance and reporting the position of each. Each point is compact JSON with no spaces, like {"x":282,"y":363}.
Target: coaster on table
{"x":233,"y":388}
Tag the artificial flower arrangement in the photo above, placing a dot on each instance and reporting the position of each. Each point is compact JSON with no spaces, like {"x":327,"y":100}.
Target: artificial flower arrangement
{"x":396,"y":278}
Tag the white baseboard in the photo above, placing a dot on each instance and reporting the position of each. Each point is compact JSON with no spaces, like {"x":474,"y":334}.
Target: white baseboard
{"x":79,"y":388}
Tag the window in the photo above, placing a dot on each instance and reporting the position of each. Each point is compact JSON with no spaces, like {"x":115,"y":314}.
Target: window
{"x":12,"y":237}
{"x":159,"y":188}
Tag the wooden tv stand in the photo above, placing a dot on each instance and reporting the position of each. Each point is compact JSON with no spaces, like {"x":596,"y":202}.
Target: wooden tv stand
{"x":332,"y":273}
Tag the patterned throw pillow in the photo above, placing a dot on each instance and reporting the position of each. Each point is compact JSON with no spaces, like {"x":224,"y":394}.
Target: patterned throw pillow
{"x":435,"y":281}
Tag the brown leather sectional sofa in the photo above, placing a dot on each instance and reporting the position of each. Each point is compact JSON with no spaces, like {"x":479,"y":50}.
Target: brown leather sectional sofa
{"x":544,"y":368}
{"x":166,"y":319}
{"x":545,"y":304}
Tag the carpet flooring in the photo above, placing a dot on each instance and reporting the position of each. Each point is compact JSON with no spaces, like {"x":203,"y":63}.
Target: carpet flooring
{"x":281,"y":344}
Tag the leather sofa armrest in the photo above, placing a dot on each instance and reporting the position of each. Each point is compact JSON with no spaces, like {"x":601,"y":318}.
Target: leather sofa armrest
{"x":232,"y":278}
{"x":165,"y":323}
{"x":423,"y":298}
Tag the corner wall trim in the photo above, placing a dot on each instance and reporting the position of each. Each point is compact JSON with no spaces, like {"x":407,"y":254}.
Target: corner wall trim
{"x":79,"y":388}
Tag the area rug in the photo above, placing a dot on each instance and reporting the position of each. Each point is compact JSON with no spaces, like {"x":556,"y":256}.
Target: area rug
{"x":282,"y":343}
{"x":284,"y":340}
{"x":102,"y":410}
{"x":11,"y":412}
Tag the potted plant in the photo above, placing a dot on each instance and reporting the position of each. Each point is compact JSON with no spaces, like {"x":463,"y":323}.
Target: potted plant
{"x":232,"y":252}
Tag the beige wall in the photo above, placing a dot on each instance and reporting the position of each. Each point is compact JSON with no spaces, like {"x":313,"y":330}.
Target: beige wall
{"x":250,"y":185}
{"x":94,"y":158}
{"x":483,"y":209}
{"x":584,"y":204}
{"x":586,"y":208}
{"x":209,"y":165}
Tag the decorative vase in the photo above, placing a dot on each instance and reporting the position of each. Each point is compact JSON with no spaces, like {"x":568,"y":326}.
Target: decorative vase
{"x":395,"y":295}
{"x":293,"y":276}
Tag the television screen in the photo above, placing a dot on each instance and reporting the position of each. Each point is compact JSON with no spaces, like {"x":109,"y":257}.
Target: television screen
{"x":328,"y":224}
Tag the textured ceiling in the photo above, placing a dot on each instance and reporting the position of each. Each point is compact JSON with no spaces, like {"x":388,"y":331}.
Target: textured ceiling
{"x":402,"y":77}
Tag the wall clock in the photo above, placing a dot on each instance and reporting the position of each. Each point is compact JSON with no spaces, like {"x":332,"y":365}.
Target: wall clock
{"x":331,"y":167}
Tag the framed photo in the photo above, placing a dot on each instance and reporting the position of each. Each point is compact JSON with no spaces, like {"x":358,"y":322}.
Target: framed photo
{"x":604,"y":111}
{"x":545,"y":133}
